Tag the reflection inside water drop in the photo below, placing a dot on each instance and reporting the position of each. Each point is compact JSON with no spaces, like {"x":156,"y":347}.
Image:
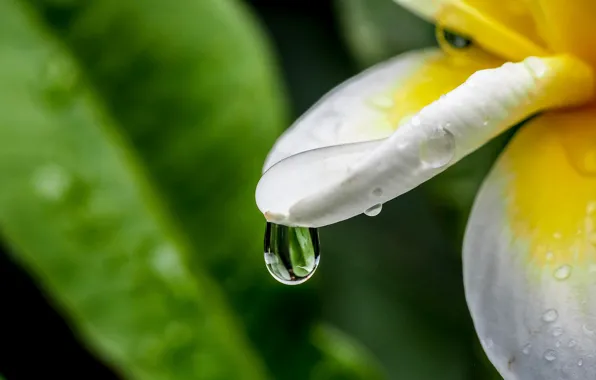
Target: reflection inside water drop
{"x":438,"y":149}
{"x":291,"y":253}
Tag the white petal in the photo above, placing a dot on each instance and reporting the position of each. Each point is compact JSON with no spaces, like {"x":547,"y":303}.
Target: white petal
{"x":489,"y":102}
{"x":354,"y":111}
{"x":532,"y":292}
{"x":531,"y":328}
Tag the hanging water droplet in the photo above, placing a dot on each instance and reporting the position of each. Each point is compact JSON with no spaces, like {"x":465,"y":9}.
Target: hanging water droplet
{"x":291,"y":253}
{"x":550,"y":315}
{"x":526,"y":349}
{"x":550,"y":355}
{"x":374,"y":210}
{"x":557,"y":331}
{"x":439,"y":148}
{"x":563,"y":272}
{"x":51,"y":181}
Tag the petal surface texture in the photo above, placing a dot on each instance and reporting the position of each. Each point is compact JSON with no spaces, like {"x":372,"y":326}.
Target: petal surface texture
{"x":372,"y":104}
{"x":529,"y":252}
{"x":507,"y":28}
{"x":334,"y":183}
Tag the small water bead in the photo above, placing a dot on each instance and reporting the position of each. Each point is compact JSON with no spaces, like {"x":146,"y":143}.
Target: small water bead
{"x":558,"y":344}
{"x":291,"y":253}
{"x":374,"y":210}
{"x":51,"y":181}
{"x":563,"y":272}
{"x":580,"y":362}
{"x":588,"y":329}
{"x":438,"y":149}
{"x":526,"y":349}
{"x":377,"y":192}
{"x":550,"y":355}
{"x":550,"y":315}
{"x":557,"y":331}
{"x":59,"y":80}
{"x":572,"y":343}
{"x":550,"y":256}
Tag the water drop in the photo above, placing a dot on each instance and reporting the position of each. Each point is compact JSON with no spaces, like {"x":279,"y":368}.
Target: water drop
{"x":572,"y":343}
{"x":558,"y":344}
{"x":51,"y":181}
{"x":550,"y":256}
{"x":377,"y":192}
{"x":374,"y":210}
{"x":580,"y":362}
{"x":550,"y":315}
{"x":439,"y":148}
{"x":489,"y":343}
{"x":526,"y":349}
{"x":291,"y":253}
{"x":557,"y":331}
{"x":563,"y":272}
{"x":59,"y":80}
{"x":550,"y":355}
{"x":588,"y":329}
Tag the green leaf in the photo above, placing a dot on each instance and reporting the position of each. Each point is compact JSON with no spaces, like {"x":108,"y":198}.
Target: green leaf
{"x":376,"y":30}
{"x":193,"y":88}
{"x":346,"y":358}
{"x":131,"y":137}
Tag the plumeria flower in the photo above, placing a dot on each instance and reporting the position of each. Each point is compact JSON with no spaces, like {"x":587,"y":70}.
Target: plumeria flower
{"x":529,"y":251}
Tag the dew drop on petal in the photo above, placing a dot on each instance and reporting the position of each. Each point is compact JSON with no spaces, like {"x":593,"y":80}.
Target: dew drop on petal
{"x":588,"y":329}
{"x":526,"y":349}
{"x":374,"y":210}
{"x":563,"y":272}
{"x":580,"y":362}
{"x":572,"y":343}
{"x":438,"y":149}
{"x":550,"y":315}
{"x":377,"y":192}
{"x":557,"y":331}
{"x":550,"y":355}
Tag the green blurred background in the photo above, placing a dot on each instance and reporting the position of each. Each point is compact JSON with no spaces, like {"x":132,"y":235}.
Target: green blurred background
{"x":131,"y":141}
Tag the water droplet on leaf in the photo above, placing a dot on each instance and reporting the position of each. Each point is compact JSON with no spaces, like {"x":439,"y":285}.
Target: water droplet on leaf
{"x":291,"y":253}
{"x":439,"y":148}
{"x":374,"y":210}
{"x":550,"y":315}
{"x":59,"y":80}
{"x":51,"y":181}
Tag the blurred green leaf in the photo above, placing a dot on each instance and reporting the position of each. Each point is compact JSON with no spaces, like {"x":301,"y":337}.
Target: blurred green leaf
{"x":346,"y":358}
{"x":131,"y":138}
{"x":376,"y":30}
